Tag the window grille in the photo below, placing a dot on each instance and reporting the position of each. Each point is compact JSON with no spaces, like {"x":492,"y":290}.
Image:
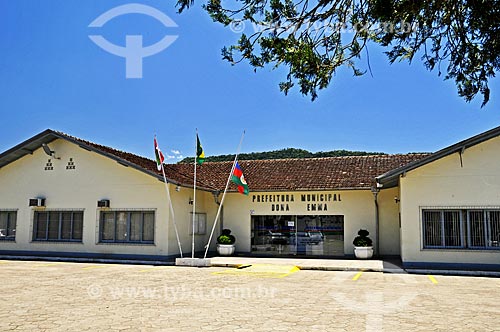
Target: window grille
{"x":461,"y":228}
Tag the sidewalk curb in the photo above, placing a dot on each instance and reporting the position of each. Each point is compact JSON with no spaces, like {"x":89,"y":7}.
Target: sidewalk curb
{"x":461,"y":273}
{"x":86,"y":260}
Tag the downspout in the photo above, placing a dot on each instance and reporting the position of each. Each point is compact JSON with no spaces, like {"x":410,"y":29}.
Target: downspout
{"x":375,"y":192}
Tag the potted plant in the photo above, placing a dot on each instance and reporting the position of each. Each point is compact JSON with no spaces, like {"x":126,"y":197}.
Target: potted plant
{"x":363,"y":245}
{"x":225,"y":243}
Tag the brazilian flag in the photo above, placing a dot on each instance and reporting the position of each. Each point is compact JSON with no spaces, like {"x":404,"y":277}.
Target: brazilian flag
{"x":200,"y":154}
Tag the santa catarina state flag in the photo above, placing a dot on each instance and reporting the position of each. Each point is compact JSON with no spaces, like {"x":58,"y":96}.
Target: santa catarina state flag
{"x":239,"y":180}
{"x":159,"y":156}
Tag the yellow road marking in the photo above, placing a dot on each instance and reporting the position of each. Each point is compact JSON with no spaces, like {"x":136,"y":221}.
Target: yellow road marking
{"x":434,"y":281}
{"x":93,"y":267}
{"x":46,"y":264}
{"x":356,"y":277}
{"x":157,"y":268}
{"x":261,"y":270}
{"x":42,"y":265}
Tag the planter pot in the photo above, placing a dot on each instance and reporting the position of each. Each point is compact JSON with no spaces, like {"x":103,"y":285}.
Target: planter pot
{"x":225,"y":249}
{"x":363,"y":252}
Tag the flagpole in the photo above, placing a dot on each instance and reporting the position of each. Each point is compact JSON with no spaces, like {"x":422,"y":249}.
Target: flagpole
{"x":224,"y":195}
{"x":171,"y":206}
{"x":194,"y":193}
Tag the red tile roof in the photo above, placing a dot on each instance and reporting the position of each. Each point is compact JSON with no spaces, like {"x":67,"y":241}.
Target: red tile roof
{"x":352,"y":172}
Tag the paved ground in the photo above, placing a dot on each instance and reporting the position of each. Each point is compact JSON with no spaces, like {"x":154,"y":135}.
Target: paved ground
{"x":40,"y":296}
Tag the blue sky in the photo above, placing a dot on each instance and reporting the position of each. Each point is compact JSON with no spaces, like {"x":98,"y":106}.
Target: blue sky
{"x":53,"y":76}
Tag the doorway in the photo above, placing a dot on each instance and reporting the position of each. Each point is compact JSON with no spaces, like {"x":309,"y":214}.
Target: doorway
{"x":308,"y":235}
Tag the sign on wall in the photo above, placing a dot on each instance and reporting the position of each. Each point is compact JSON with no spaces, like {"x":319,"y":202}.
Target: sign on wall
{"x":310,"y":202}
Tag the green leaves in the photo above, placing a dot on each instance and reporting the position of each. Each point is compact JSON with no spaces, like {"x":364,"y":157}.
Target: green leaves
{"x":285,"y":154}
{"x":314,"y":39}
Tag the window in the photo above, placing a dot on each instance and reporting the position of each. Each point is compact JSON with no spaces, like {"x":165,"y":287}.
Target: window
{"x":8,"y":225}
{"x":484,"y":228}
{"x":200,"y":223}
{"x":465,"y":228}
{"x":58,"y":226}
{"x":442,"y":228}
{"x":127,"y":226}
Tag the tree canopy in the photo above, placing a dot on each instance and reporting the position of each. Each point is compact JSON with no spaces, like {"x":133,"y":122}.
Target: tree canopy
{"x":284,"y":154}
{"x":314,"y":38}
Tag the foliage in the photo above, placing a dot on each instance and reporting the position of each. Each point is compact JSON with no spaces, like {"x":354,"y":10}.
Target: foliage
{"x":226,"y":237}
{"x":284,"y":154}
{"x":362,"y":240}
{"x":313,"y":39}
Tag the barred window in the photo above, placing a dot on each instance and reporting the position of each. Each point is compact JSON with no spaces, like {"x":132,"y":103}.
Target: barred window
{"x":8,"y":220}
{"x":58,"y":226}
{"x":484,"y":228}
{"x":442,"y":229}
{"x":465,"y":228}
{"x":127,"y":227}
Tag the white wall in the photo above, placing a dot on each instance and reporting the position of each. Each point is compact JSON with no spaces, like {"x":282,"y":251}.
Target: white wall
{"x":205,"y":203}
{"x":95,"y":177}
{"x":357,"y":206}
{"x":389,"y":222}
{"x":444,"y":183}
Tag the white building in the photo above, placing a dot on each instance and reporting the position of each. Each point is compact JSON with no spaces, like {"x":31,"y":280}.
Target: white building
{"x":66,"y":197}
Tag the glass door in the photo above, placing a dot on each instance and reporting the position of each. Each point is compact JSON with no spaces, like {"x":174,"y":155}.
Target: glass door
{"x":271,"y":234}
{"x":298,"y":235}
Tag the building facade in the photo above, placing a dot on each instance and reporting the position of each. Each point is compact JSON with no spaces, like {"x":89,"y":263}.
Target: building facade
{"x":66,"y":197}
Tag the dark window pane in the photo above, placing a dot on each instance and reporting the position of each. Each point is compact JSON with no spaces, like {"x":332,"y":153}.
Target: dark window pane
{"x":77,"y":225}
{"x":135,"y":226}
{"x":53,"y":225}
{"x":452,"y":228}
{"x":149,"y":226}
{"x":41,"y":225}
{"x":476,"y":221}
{"x":121,"y":226}
{"x":4,"y":224}
{"x":108,"y":226}
{"x":494,"y":229}
{"x":66,"y":226}
{"x":432,"y":228}
{"x":11,"y":229}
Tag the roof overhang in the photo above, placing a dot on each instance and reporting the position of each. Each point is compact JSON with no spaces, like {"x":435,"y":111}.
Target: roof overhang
{"x":27,"y":147}
{"x":391,"y":178}
{"x":31,"y":145}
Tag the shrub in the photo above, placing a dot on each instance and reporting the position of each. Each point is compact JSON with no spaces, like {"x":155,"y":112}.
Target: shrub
{"x":226,"y":237}
{"x":362,"y":240}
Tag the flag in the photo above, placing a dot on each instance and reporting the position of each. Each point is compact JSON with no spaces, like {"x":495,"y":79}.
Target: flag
{"x":239,"y":180}
{"x":159,"y":156}
{"x":200,"y":154}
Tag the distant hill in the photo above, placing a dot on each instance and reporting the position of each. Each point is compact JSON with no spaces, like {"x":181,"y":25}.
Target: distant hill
{"x":284,"y":154}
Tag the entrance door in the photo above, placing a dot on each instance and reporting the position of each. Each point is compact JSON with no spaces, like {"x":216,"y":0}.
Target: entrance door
{"x":298,"y":235}
{"x":271,"y":234}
